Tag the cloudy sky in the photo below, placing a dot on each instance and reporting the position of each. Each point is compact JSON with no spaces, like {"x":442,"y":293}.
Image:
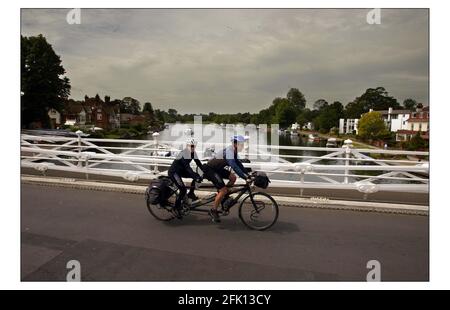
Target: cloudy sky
{"x":237,"y":60}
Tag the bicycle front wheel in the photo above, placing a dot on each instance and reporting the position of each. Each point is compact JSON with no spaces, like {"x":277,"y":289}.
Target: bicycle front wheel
{"x":258,"y":211}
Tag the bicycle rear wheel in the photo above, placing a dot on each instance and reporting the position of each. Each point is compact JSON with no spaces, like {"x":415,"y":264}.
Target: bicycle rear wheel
{"x":258,"y":211}
{"x":163,"y":212}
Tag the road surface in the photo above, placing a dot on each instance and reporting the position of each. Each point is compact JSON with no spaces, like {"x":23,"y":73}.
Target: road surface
{"x":114,"y":238}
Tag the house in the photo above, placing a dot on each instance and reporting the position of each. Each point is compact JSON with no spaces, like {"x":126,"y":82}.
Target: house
{"x":74,"y":113}
{"x":308,"y":126}
{"x":395,"y":119}
{"x":92,"y":112}
{"x":418,"y":121}
{"x":103,"y":114}
{"x":348,"y":126}
{"x":295,"y":126}
{"x":55,"y":118}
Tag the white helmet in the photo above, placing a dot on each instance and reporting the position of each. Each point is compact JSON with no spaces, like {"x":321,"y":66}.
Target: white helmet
{"x":191,"y":141}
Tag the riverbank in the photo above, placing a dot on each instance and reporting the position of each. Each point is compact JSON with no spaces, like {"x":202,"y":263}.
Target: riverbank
{"x":125,"y":132}
{"x":340,"y":138}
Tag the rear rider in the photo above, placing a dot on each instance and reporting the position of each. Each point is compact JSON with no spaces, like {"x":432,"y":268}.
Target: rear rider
{"x":181,"y":168}
{"x":215,"y":171}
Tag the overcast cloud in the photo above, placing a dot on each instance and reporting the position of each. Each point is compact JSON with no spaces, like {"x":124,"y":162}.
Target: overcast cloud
{"x":231,"y":61}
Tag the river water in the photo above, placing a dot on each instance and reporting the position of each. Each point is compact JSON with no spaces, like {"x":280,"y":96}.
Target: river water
{"x":215,"y":134}
{"x":176,"y":134}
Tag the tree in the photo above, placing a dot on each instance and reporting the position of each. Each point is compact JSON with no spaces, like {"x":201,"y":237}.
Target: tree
{"x":263,"y":117}
{"x":327,"y":115}
{"x":410,"y":104}
{"x":416,"y":143}
{"x":373,"y":98}
{"x":296,"y":98}
{"x":149,"y":114}
{"x":320,"y":104}
{"x":371,"y":126}
{"x":301,"y":119}
{"x":130,"y":105}
{"x":338,"y":108}
{"x":172,"y":112}
{"x":159,"y":115}
{"x":148,"y":108}
{"x":43,"y":84}
{"x":285,"y":113}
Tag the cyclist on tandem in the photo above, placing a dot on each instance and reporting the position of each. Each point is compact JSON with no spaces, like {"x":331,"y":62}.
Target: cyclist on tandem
{"x":257,"y":210}
{"x":181,"y":168}
{"x":215,"y":172}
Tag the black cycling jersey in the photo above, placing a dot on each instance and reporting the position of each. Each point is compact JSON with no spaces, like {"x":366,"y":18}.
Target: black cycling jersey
{"x":181,"y":164}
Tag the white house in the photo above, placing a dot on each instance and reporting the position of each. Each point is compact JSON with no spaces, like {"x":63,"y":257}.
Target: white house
{"x":308,"y":126}
{"x":295,"y":126}
{"x":348,"y":126}
{"x":395,"y":120}
{"x":55,"y":118}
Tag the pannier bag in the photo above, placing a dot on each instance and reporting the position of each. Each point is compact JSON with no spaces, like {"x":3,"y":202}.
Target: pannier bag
{"x":261,"y":180}
{"x":159,"y":190}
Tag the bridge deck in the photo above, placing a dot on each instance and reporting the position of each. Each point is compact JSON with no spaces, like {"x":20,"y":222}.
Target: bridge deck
{"x":114,"y":238}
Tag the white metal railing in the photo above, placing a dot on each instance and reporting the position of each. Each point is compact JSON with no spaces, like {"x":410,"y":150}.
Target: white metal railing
{"x":339,"y":168}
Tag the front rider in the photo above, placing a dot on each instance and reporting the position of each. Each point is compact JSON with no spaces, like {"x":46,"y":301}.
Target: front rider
{"x":215,"y":171}
{"x":181,"y":168}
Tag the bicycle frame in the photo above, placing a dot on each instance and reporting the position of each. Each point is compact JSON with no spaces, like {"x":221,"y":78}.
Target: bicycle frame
{"x":244,"y":195}
{"x":241,"y":189}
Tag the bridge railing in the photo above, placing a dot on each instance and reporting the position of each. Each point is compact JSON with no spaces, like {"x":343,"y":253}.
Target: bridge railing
{"x":339,"y":168}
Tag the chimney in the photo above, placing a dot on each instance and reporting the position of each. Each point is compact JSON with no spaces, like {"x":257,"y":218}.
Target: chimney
{"x":107,"y":99}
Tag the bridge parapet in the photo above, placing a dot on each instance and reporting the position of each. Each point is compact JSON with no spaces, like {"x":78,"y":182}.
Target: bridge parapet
{"x":132,"y":160}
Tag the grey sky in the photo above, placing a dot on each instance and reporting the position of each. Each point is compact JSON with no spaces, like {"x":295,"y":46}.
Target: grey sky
{"x":237,"y":60}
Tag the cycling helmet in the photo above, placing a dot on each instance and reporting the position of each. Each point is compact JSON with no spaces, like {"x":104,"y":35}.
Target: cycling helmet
{"x":238,"y":139}
{"x":191,"y":141}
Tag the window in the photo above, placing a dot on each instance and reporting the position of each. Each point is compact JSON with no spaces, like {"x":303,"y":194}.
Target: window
{"x":99,"y":116}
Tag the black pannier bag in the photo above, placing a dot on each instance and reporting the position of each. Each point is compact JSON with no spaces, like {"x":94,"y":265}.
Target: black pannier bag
{"x":159,"y":190}
{"x":261,"y":180}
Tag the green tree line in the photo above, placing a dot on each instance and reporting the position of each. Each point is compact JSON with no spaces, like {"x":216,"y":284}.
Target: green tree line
{"x":45,"y":86}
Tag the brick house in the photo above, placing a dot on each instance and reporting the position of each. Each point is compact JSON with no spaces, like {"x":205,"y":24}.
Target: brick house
{"x":92,"y":112}
{"x":418,"y":121}
{"x":99,"y":113}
